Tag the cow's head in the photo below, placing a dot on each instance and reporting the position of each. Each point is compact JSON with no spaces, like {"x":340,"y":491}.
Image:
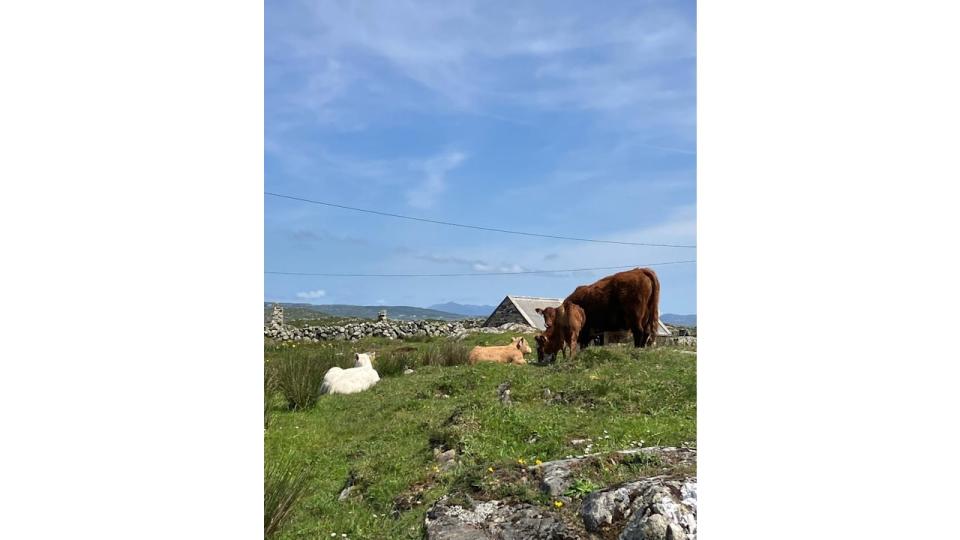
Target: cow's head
{"x":549,"y":315}
{"x":548,"y":346}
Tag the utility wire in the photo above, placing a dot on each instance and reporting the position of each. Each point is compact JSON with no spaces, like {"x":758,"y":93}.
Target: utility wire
{"x":477,"y":227}
{"x":321,"y":274}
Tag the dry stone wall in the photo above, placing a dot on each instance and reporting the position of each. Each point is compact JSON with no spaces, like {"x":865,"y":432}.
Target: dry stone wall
{"x":354,"y":331}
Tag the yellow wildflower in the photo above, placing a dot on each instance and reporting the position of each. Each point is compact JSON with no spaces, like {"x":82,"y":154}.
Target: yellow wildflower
{"x":489,"y":469}
{"x":521,"y":461}
{"x":538,"y":462}
{"x":558,"y":504}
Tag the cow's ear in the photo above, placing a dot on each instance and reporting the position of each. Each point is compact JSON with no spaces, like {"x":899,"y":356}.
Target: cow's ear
{"x":520,"y":343}
{"x":538,"y":310}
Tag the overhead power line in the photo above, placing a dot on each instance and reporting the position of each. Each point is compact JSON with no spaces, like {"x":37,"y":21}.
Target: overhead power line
{"x":477,"y":227}
{"x":325,"y":274}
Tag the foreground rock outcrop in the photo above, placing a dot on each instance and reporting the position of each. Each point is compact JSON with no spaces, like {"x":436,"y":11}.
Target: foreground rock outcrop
{"x":494,"y":520}
{"x":649,"y":509}
{"x":660,"y":507}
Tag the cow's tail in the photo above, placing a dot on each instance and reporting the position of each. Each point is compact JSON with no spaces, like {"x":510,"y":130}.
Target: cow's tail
{"x":653,"y":305}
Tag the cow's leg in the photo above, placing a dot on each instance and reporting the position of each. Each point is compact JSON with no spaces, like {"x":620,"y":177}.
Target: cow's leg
{"x":639,"y":338}
{"x":568,"y":343}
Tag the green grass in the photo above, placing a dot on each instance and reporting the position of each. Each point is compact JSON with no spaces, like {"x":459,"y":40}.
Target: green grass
{"x":582,"y":487}
{"x":383,"y":439}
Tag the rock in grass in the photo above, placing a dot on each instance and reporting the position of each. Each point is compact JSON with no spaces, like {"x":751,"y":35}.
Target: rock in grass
{"x":494,"y":520}
{"x":345,"y":494}
{"x":503,"y":393}
{"x":445,"y":457}
{"x":556,"y":479}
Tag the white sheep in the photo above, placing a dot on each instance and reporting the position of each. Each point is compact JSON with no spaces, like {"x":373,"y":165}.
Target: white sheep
{"x":350,"y":381}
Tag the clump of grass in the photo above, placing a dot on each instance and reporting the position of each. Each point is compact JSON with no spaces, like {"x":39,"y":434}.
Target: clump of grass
{"x":298,"y":375}
{"x":431,"y":356}
{"x":284,"y":483}
{"x":581,"y":487}
{"x":268,"y":389}
{"x":454,"y":353}
{"x":392,"y":363}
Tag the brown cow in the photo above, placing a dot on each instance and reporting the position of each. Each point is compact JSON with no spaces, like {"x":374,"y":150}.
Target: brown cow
{"x":549,"y":314}
{"x":562,"y":332}
{"x":623,"y":301}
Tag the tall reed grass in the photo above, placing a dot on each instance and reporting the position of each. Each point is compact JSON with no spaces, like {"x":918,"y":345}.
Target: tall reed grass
{"x":284,"y":484}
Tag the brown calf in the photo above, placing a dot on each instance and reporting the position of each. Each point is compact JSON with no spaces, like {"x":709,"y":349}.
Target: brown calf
{"x":563,"y":332}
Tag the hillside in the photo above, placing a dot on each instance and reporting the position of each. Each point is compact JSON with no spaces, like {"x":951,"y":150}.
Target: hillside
{"x":370,"y":464}
{"x":470,"y":310}
{"x":294,"y":312}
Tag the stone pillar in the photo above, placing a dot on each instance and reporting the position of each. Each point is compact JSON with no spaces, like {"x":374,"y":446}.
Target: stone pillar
{"x":382,"y":315}
{"x":277,"y":318}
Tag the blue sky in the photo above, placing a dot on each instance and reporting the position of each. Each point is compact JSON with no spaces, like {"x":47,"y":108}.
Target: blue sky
{"x":564,"y":118}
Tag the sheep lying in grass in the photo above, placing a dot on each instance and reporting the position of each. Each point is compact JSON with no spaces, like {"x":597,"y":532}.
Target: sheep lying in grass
{"x":506,"y":354}
{"x":350,"y":381}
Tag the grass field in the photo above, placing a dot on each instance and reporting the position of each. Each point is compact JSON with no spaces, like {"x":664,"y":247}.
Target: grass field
{"x":382,"y":441}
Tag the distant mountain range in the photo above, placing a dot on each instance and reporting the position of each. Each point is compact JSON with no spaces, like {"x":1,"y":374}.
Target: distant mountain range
{"x":679,"y":320}
{"x":293,"y":311}
{"x":469,"y":310}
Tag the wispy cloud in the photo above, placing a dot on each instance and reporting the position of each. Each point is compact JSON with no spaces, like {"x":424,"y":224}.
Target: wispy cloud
{"x":477,"y":265}
{"x":321,"y":236}
{"x":435,"y":172}
{"x":474,"y":55}
{"x":309,"y":295}
{"x":500,"y":268}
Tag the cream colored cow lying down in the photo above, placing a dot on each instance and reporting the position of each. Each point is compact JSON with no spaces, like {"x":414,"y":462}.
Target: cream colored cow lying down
{"x":350,"y":381}
{"x":505,"y":354}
